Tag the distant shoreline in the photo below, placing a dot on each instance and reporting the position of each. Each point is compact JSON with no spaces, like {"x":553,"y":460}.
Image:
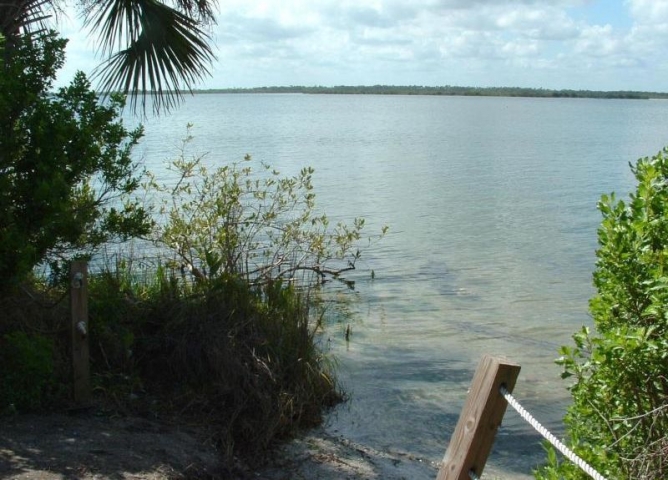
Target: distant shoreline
{"x":447,"y":91}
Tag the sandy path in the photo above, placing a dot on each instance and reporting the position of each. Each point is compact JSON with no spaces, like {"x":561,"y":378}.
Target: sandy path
{"x":89,"y":447}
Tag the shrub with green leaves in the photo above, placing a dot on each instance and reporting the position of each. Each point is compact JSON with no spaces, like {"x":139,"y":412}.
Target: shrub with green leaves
{"x":247,"y":219}
{"x":224,"y":330}
{"x":26,"y":363}
{"x":618,"y":420}
{"x":66,"y":173}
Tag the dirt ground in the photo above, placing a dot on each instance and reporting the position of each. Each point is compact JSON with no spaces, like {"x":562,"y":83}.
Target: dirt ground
{"x":86,"y":446}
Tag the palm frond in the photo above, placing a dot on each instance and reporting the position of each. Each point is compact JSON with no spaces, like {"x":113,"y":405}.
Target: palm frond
{"x":202,"y":10}
{"x":160,"y":51}
{"x":21,"y":17}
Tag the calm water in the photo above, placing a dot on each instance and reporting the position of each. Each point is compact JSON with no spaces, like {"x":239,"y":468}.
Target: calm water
{"x":491,"y":204}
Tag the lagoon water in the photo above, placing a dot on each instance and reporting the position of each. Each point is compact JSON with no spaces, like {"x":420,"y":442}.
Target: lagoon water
{"x":491,"y":204}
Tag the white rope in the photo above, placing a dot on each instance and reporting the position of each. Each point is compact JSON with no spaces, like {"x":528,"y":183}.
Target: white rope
{"x":549,"y":437}
{"x":473,"y":475}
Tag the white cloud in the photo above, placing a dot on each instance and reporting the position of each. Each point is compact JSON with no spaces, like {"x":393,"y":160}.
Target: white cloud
{"x":546,"y":23}
{"x":520,"y":49}
{"x":598,"y":41}
{"x":649,"y":12}
{"x":648,"y":38}
{"x":540,"y":43}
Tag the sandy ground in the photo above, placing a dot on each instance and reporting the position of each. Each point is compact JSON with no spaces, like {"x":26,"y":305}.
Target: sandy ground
{"x":85,"y":446}
{"x":89,"y":447}
{"x":322,"y":456}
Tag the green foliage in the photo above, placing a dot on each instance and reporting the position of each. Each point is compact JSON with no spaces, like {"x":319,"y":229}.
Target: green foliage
{"x":256,"y":224}
{"x":164,"y":49}
{"x":619,"y":417}
{"x":116,"y":316}
{"x":236,"y":349}
{"x":156,"y":49}
{"x":241,"y":359}
{"x":444,"y":90}
{"x":66,"y":174}
{"x":26,"y":363}
{"x":222,"y":333}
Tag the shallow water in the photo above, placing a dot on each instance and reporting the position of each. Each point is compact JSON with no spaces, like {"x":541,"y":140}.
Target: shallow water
{"x":491,"y":204}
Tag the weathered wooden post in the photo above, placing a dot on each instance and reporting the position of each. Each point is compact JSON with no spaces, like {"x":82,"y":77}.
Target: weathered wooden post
{"x":480,"y":419}
{"x":79,"y":329}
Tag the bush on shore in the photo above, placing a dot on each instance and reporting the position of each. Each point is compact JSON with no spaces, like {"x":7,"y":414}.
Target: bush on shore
{"x":219,"y":332}
{"x":242,"y":361}
{"x":618,"y":421}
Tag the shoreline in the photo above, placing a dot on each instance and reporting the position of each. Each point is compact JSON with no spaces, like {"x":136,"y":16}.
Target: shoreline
{"x":88,"y":446}
{"x":323,"y":455}
{"x":446,"y":90}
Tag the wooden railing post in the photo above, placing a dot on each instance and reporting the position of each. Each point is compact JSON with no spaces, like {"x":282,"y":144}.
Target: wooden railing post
{"x":480,"y":419}
{"x":79,"y":329}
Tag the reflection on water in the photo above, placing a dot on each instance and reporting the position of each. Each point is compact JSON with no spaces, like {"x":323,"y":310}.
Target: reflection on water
{"x":491,"y":207}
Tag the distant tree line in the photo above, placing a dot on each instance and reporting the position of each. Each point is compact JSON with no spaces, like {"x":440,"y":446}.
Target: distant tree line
{"x":446,"y":90}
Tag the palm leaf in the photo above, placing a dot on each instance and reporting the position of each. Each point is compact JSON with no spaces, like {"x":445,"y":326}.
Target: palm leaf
{"x":25,"y":16}
{"x":199,"y":9}
{"x":161,"y":51}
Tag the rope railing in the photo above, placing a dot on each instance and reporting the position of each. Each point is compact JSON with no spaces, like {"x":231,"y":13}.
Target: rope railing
{"x":480,"y":418}
{"x":547,"y":435}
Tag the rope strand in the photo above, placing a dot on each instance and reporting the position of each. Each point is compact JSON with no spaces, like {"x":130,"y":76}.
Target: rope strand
{"x":588,"y":469}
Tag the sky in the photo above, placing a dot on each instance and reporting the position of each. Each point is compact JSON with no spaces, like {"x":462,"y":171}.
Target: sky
{"x":554,"y":44}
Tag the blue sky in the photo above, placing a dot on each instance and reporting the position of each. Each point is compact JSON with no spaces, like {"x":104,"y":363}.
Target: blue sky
{"x":574,"y":44}
{"x":614,"y":13}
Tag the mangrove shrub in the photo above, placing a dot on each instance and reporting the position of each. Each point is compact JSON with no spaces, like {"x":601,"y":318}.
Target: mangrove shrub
{"x":619,"y":417}
{"x":248,"y":220}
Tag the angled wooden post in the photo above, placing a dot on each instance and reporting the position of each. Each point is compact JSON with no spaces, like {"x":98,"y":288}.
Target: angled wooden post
{"x":79,"y":332}
{"x":480,"y":419}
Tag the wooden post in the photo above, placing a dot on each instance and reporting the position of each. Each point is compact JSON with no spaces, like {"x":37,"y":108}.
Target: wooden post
{"x":79,"y":312}
{"x":480,"y":419}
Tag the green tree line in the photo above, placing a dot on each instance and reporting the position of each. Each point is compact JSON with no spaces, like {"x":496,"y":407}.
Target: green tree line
{"x":446,"y":90}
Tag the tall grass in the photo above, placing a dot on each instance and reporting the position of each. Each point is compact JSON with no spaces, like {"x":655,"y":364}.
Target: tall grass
{"x":241,"y":359}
